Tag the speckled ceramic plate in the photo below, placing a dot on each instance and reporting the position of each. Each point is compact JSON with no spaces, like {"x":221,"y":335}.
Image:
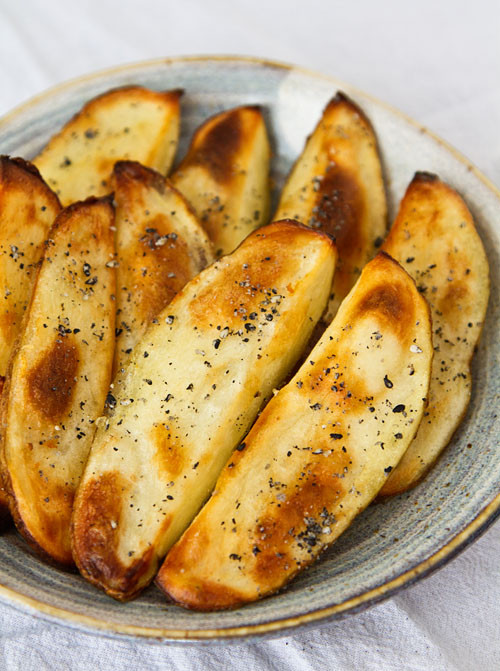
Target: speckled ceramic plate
{"x":389,"y":546}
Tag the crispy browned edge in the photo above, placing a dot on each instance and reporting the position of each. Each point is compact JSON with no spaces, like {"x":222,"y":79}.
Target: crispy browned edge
{"x":6,"y":480}
{"x":195,"y":140}
{"x":151,"y":178}
{"x":16,"y":170}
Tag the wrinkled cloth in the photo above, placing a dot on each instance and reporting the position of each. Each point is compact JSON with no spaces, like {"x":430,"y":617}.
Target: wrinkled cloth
{"x":437,"y":62}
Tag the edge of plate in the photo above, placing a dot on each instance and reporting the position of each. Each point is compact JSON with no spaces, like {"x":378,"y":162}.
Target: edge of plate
{"x":337,"y":611}
{"x":276,"y":627}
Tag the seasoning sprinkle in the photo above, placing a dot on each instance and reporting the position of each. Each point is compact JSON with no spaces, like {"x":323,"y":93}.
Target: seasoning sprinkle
{"x":388,"y":383}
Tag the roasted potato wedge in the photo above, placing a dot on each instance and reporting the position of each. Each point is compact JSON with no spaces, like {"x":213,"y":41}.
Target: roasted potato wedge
{"x":59,"y":376}
{"x":319,"y":452}
{"x":225,"y":175}
{"x":126,"y":123}
{"x":336,"y":185}
{"x":160,"y":246}
{"x":193,"y":387}
{"x":27,"y":210}
{"x":435,"y":239}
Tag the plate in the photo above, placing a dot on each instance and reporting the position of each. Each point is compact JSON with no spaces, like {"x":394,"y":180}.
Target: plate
{"x":392,"y":544}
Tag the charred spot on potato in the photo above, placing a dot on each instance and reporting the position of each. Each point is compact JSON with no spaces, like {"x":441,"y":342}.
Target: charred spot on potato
{"x":50,"y":383}
{"x":391,"y":302}
{"x":338,"y":209}
{"x":422,"y":176}
{"x":284,"y":534}
{"x":219,"y":147}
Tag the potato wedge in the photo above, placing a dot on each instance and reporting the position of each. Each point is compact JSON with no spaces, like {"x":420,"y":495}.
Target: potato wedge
{"x":225,"y":175}
{"x":59,"y":376}
{"x":319,"y":452}
{"x":194,"y":385}
{"x":126,"y":123}
{"x":435,"y":239}
{"x":27,"y":210}
{"x":160,"y":246}
{"x":336,"y":185}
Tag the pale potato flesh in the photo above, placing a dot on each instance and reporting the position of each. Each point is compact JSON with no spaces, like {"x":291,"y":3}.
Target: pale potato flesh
{"x":319,"y":452}
{"x":127,"y":123}
{"x":160,"y":246}
{"x":27,"y":210}
{"x":193,"y":387}
{"x":435,"y":239}
{"x":336,"y":185}
{"x":225,"y":176}
{"x":59,"y":376}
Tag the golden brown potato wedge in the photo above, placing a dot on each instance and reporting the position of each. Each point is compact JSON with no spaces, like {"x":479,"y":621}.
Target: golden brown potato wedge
{"x":193,"y":387}
{"x":225,"y":175}
{"x":336,"y":185}
{"x":126,"y":123}
{"x":27,"y":210}
{"x":160,"y":246}
{"x":434,"y":238}
{"x":59,"y":376}
{"x":319,"y":452}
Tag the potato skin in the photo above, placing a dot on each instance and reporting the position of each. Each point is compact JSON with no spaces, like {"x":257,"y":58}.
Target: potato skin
{"x":58,"y":376}
{"x":318,"y":453}
{"x":225,"y":175}
{"x":160,"y":245}
{"x":27,"y":210}
{"x":435,"y":240}
{"x":336,"y":186}
{"x":130,"y":122}
{"x":191,"y":390}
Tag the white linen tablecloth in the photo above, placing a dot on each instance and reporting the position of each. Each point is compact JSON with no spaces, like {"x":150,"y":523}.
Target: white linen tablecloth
{"x":437,"y":61}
